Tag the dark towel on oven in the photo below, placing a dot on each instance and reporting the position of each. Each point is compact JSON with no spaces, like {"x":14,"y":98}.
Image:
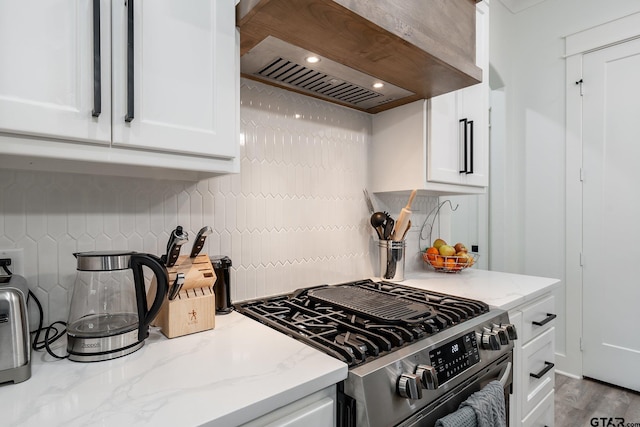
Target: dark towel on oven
{"x":465,"y":416}
{"x":488,"y":404}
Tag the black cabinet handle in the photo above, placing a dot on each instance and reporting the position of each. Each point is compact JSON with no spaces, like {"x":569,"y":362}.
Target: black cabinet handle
{"x":548,"y":319}
{"x":548,"y":366}
{"x":129,"y":116}
{"x":470,"y":125}
{"x":97,"y":75}
{"x":462,"y":124}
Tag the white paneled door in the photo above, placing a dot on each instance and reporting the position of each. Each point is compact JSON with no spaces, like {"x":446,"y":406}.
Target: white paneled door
{"x":611,"y":214}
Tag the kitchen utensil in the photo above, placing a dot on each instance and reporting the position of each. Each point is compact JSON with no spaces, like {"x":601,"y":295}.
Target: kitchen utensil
{"x":15,"y":349}
{"x":403,"y":218}
{"x":222,"y":287}
{"x":176,"y":240}
{"x":176,"y":287}
{"x":377,"y":221}
{"x":406,"y":229}
{"x":200,"y":239}
{"x":388,"y":227}
{"x":109,"y":316}
{"x":368,"y":200}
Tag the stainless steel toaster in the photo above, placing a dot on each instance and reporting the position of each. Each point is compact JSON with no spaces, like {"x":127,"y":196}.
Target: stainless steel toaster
{"x":15,"y":348}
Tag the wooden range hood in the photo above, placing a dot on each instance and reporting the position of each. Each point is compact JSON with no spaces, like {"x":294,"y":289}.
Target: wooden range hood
{"x":417,"y":48}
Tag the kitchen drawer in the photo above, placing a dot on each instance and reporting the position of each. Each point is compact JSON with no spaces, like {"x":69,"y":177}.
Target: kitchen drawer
{"x":315,"y":410}
{"x":542,"y":415}
{"x":538,"y":357}
{"x":537,"y":318}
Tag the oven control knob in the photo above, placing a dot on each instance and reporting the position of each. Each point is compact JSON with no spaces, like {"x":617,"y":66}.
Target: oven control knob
{"x":511,"y":330}
{"x":409,"y":386}
{"x":503,"y":336}
{"x":489,"y":340}
{"x":428,"y":376}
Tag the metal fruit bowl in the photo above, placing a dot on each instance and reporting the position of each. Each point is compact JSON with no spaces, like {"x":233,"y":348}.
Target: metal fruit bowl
{"x":449,"y":264}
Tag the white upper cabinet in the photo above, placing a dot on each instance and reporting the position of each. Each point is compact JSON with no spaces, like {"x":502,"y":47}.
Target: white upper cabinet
{"x":438,"y":145}
{"x":458,"y":127}
{"x":181,"y":49}
{"x":46,"y":76}
{"x":166,"y":95}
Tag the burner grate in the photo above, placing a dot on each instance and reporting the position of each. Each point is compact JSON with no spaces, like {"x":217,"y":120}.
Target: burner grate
{"x":373,"y":304}
{"x":359,"y":321}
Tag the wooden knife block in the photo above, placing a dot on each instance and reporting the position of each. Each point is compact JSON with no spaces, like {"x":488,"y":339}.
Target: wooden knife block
{"x":194,"y":309}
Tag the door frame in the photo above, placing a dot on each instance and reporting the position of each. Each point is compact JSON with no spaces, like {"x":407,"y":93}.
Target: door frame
{"x":576,"y":45}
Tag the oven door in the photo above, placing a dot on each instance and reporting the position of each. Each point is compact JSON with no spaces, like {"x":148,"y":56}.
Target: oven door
{"x":500,"y":370}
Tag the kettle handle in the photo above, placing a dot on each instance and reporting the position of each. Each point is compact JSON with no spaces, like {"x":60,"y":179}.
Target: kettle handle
{"x":147,"y":314}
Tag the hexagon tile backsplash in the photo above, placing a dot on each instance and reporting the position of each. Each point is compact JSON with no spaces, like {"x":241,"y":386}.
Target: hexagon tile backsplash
{"x":295,"y":216}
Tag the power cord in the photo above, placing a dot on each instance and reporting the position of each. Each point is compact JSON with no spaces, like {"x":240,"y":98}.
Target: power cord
{"x":44,"y":344}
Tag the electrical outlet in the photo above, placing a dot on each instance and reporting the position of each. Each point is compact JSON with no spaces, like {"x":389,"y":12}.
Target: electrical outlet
{"x":17,"y":260}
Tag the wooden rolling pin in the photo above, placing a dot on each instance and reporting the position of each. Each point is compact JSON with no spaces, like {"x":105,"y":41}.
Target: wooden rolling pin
{"x":403,"y":219}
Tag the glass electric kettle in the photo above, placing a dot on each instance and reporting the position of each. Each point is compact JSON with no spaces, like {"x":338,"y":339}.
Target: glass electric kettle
{"x":109,"y":316}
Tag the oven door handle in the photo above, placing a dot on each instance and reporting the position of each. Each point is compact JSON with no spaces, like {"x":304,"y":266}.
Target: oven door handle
{"x":504,"y":378}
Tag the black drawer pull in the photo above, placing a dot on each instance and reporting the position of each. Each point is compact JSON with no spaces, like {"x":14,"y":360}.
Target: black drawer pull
{"x":97,"y":61}
{"x":130,"y":71}
{"x":549,"y":318}
{"x":546,"y":369}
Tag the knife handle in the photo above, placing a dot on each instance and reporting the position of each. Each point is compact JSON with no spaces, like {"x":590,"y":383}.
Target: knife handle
{"x":176,"y":287}
{"x":201,"y":237}
{"x":178,"y":238}
{"x":173,"y":254}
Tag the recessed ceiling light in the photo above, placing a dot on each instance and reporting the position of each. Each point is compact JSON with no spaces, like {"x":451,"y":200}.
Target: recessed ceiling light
{"x":312,"y":59}
{"x":378,"y":85}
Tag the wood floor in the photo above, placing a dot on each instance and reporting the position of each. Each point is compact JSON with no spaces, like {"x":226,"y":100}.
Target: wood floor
{"x":577,"y":401}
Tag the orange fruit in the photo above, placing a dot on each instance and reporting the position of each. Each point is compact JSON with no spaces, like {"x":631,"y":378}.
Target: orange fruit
{"x":431,"y":253}
{"x":450,"y":263}
{"x":438,"y":262}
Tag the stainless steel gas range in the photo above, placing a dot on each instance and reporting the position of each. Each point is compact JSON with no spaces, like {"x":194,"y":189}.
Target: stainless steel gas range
{"x":414,"y":355}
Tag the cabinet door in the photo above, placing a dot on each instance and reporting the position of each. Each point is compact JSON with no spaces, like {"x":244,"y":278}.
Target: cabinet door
{"x":47,"y":83}
{"x":178,"y":96}
{"x":457,"y":129}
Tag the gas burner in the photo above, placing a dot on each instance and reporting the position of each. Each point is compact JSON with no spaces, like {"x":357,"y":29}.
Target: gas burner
{"x":360,"y":321}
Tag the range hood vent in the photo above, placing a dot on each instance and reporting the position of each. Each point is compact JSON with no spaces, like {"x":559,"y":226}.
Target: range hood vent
{"x":322,"y":84}
{"x":416,"y":48}
{"x":276,"y":62}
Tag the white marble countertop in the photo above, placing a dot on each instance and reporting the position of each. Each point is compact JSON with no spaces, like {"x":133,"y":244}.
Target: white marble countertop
{"x":223,"y":377}
{"x":499,"y":290}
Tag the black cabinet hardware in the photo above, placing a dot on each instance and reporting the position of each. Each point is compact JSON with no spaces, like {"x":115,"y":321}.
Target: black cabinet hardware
{"x":129,"y":116}
{"x":97,"y":75}
{"x":547,"y":368}
{"x":466,"y":145}
{"x":548,"y":319}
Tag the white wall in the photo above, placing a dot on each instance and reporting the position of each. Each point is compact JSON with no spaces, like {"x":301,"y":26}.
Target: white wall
{"x":295,"y":216}
{"x":527,"y":52}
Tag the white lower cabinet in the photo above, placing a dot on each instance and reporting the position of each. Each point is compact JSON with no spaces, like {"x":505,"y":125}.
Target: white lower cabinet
{"x":315,"y":410}
{"x":542,"y":415}
{"x":534,"y":359}
{"x":537,"y":369}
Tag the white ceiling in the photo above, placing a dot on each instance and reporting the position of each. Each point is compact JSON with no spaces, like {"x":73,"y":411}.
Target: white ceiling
{"x":516,"y":6}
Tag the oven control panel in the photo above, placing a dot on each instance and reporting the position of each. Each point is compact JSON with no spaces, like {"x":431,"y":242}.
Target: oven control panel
{"x":454,"y":357}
